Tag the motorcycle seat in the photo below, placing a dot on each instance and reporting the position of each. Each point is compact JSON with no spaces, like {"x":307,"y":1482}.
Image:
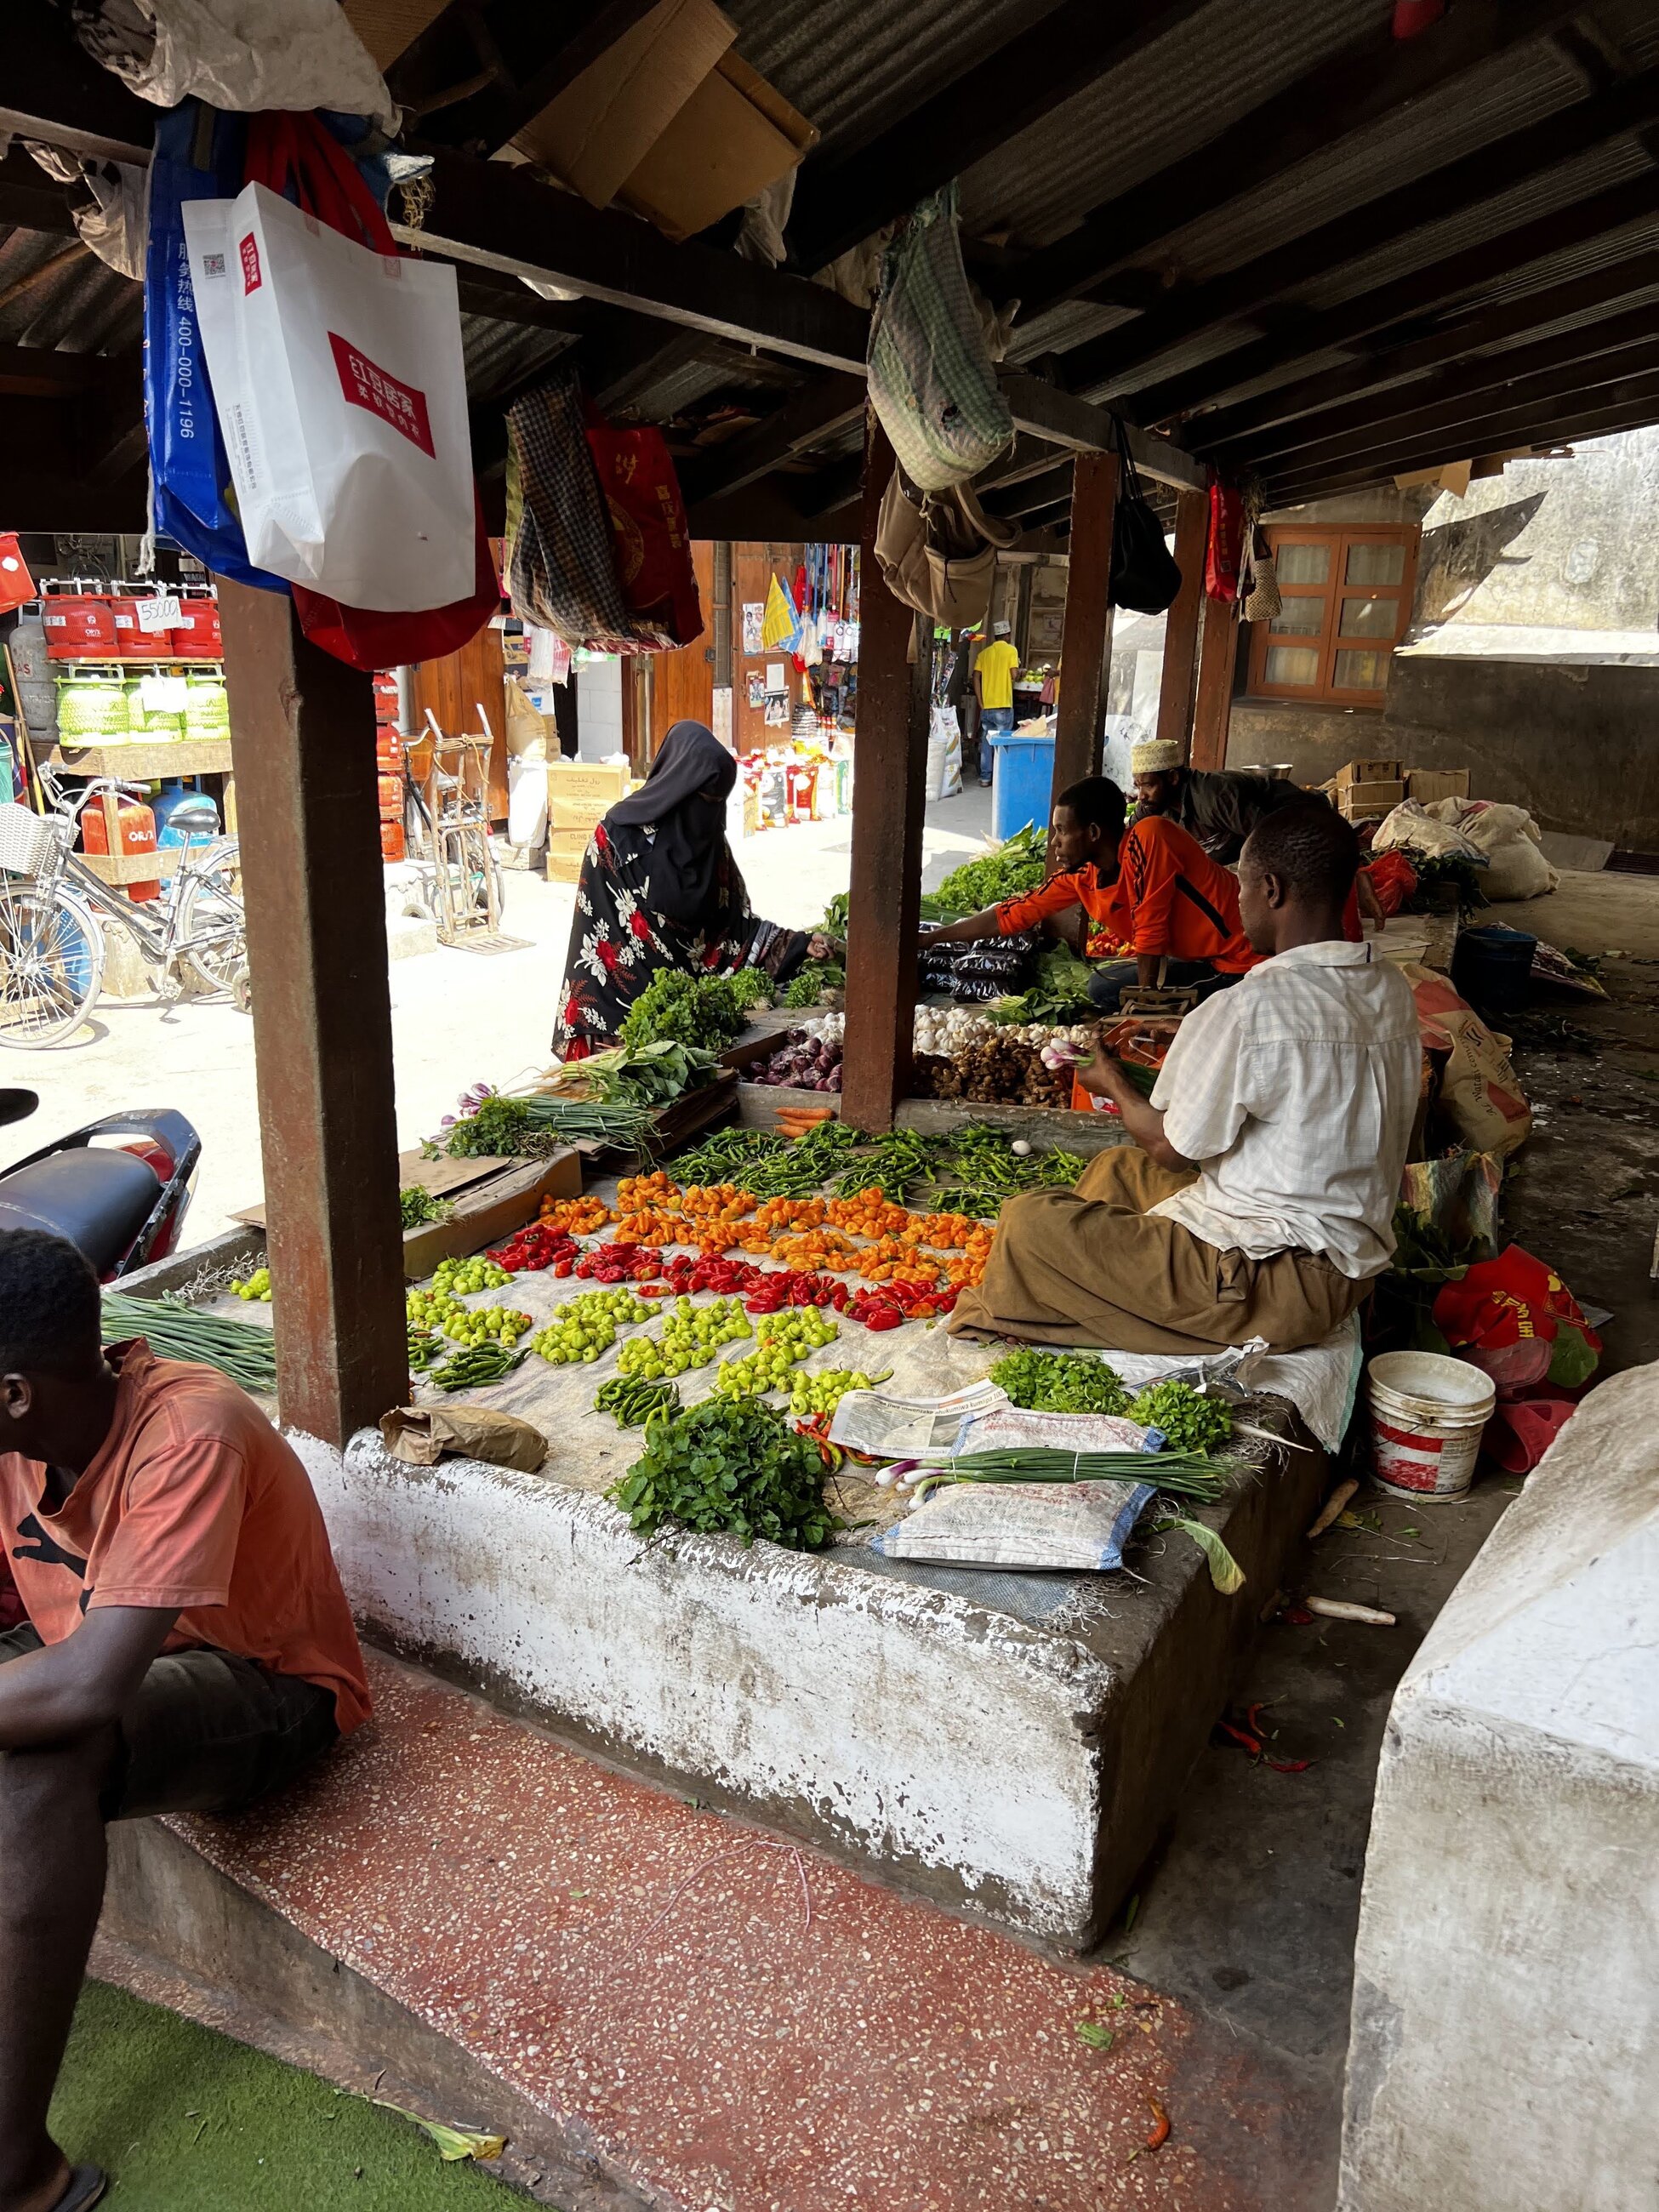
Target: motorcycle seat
{"x":96,"y":1197}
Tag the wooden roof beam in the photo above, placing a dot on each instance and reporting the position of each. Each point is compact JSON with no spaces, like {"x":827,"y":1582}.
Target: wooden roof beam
{"x":1312,"y":333}
{"x":489,"y":215}
{"x":1564,"y":382}
{"x":842,"y":200}
{"x":1357,"y":86}
{"x":1466,"y":182}
{"x":819,"y":411}
{"x":1400,"y":354}
{"x":1628,"y":406}
{"x":1576,"y":352}
{"x":1064,"y":419}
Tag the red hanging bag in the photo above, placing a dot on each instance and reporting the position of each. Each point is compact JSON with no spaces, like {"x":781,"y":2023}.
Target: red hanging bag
{"x":651,"y":536}
{"x":1224,"y":550}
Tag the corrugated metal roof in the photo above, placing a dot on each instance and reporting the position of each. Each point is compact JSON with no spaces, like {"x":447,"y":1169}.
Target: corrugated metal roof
{"x":1171,"y":99}
{"x":73,"y":303}
{"x":853,"y":66}
{"x":500,"y":355}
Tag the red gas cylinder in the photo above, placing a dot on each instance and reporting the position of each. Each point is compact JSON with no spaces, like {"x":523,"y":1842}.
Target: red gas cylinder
{"x":135,"y":829}
{"x":132,"y":641}
{"x":196,"y":635}
{"x":394,"y":845}
{"x":79,"y":625}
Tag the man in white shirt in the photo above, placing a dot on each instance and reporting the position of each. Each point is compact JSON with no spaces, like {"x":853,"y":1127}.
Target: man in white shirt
{"x":1258,"y":1197}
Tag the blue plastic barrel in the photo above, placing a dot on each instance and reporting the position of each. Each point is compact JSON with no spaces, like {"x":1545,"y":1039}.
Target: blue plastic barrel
{"x":1021,"y":779}
{"x":1492,"y":966}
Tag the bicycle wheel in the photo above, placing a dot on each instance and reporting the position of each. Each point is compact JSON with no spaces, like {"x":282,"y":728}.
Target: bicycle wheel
{"x":212,"y":933}
{"x":51,"y":963}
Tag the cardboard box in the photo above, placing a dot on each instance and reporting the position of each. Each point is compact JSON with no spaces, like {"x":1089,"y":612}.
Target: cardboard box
{"x":603,"y":125}
{"x":1427,"y":785}
{"x":1360,"y":802}
{"x":1366,"y":771}
{"x":733,"y":138}
{"x":581,"y":792}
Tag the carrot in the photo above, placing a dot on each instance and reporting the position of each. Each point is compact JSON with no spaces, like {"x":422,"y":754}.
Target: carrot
{"x":1160,"y":2134}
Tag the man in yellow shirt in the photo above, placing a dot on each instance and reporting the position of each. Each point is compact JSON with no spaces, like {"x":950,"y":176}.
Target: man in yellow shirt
{"x":994,"y":687}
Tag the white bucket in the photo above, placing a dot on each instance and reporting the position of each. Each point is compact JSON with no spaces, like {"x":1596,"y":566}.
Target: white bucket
{"x":1427,"y":1413}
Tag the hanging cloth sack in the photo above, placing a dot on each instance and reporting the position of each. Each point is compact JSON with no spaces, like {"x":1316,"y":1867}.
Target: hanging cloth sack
{"x":564,"y":535}
{"x":1259,"y":598}
{"x":932,"y":382}
{"x":1223,"y":548}
{"x":1145,"y":576}
{"x":651,"y":536}
{"x":338,"y":379}
{"x":938,"y":555}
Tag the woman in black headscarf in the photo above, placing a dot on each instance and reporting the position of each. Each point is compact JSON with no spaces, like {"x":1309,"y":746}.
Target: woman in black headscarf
{"x":660,"y":889}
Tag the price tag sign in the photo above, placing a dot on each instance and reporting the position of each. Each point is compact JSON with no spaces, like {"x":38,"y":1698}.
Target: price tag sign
{"x":159,"y":614}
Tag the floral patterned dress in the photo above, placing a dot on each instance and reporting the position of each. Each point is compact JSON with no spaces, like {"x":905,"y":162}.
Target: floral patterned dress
{"x":617,"y":943}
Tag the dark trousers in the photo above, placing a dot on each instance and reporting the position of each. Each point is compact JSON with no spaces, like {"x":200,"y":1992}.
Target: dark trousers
{"x":1113,"y":977}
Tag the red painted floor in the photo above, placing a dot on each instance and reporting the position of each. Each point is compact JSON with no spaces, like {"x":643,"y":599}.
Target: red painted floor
{"x":733,"y":2022}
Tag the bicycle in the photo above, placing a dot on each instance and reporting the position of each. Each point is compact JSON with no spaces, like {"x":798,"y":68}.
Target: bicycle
{"x":53,"y":912}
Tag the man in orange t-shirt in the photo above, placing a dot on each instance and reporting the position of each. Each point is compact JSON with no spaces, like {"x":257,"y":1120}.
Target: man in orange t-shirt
{"x":1150,"y":891}
{"x":187,"y":1647}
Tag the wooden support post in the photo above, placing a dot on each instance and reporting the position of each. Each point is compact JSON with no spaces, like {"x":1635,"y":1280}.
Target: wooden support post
{"x":1085,"y":647}
{"x":302,"y":736}
{"x":1218,"y":651}
{"x":890,"y":784}
{"x":1175,"y":699}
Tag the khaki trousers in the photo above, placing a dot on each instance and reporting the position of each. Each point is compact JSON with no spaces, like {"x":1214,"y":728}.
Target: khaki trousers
{"x":1092,"y":1266}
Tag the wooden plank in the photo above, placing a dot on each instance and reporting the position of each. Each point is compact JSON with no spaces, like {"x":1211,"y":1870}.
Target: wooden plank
{"x":817,"y":411}
{"x":1174,"y":698}
{"x":53,"y":90}
{"x":1218,"y":652}
{"x":1334,"y":100}
{"x":496,"y":216}
{"x":1618,"y":407}
{"x":1062,"y":419}
{"x":1046,"y":1128}
{"x":1490,"y":397}
{"x":137,"y":763}
{"x":889,"y":798}
{"x":1387,"y":359}
{"x":1086,"y":653}
{"x":839,"y":201}
{"x":1306,"y":335}
{"x":1468,"y":181}
{"x":303,"y":733}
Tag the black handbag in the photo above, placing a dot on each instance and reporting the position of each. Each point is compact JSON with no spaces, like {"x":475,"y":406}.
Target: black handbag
{"x":1144,"y":577}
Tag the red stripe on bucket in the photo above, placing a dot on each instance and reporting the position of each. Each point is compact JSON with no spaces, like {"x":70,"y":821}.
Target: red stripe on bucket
{"x":1406,"y":1440}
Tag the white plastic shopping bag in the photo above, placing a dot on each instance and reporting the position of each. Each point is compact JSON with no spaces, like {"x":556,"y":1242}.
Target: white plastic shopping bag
{"x":341,"y":395}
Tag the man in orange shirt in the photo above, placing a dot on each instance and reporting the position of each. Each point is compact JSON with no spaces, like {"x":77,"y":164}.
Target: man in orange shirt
{"x":1151,"y":889}
{"x":188,"y":1647}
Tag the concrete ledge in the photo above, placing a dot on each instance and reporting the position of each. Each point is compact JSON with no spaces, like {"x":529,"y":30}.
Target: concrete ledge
{"x":1011,"y":1745}
{"x":1505,"y":2039}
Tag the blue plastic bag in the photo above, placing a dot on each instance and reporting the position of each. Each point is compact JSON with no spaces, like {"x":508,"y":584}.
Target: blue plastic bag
{"x":189,"y":472}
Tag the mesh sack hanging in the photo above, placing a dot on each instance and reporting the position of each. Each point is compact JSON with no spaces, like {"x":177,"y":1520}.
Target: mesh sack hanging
{"x":932,"y":382}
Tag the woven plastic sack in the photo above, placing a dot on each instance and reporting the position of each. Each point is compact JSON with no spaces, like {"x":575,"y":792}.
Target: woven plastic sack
{"x":932,"y":382}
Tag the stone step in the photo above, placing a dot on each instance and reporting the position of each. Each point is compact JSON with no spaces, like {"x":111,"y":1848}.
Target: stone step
{"x":666,"y":2008}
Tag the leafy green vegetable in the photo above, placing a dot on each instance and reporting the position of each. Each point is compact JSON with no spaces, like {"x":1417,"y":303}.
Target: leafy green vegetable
{"x":500,"y":1126}
{"x":837,"y":915}
{"x":1190,"y":1422}
{"x":809,"y":986}
{"x":652,"y":1073}
{"x":1225,"y":1573}
{"x":1061,"y":1383}
{"x":1092,"y":2032}
{"x":729,"y":1466}
{"x":1018,"y":866}
{"x":752,"y":987}
{"x":418,"y":1206}
{"x":681,"y":1009}
{"x":1060,"y":993}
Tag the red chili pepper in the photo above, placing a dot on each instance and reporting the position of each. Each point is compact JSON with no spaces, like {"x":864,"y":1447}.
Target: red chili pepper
{"x":883,"y":1317}
{"x":1160,"y":2134}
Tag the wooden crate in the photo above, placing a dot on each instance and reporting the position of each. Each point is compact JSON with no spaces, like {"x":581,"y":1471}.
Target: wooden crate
{"x":1360,"y":802}
{"x":137,"y":762}
{"x":491,"y":1197}
{"x":1427,"y":785}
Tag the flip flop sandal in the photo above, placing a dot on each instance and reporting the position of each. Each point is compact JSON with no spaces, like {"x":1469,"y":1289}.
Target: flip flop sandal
{"x":87,"y":2184}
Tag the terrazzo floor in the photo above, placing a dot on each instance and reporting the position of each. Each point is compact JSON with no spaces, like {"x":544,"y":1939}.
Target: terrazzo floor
{"x":732,"y":2022}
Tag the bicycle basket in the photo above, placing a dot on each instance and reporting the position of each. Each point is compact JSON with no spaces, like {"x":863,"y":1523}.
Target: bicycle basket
{"x":27,"y":843}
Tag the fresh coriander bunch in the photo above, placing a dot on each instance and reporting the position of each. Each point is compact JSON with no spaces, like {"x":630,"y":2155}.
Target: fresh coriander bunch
{"x":1061,"y":1383}
{"x":1190,"y":1421}
{"x":729,"y":1467}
